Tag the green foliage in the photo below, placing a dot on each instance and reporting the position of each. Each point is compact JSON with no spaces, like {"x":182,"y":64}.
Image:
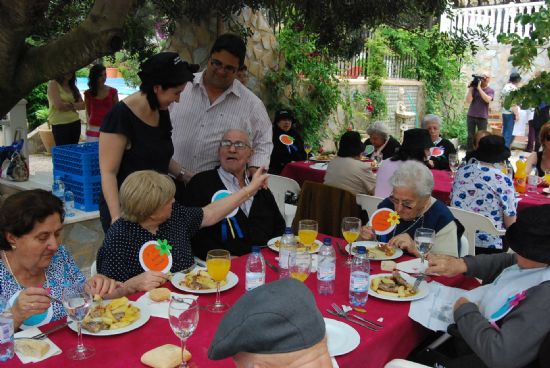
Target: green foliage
{"x":377,"y":46}
{"x":37,"y":103}
{"x":523,"y":53}
{"x":305,"y":82}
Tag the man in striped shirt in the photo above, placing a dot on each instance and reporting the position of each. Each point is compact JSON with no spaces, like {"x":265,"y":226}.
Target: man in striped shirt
{"x":215,"y":102}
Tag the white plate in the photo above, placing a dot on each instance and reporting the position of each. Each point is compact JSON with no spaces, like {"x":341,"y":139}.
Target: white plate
{"x":144,"y":316}
{"x":341,"y":337}
{"x":423,"y":288}
{"x":372,"y":244}
{"x":546,"y":190}
{"x":319,"y":166}
{"x":321,"y":158}
{"x":159,"y":309}
{"x":271,"y":244}
{"x":231,"y":279}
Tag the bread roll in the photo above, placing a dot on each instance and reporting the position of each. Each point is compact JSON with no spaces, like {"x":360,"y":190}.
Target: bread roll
{"x":160,"y":294}
{"x":32,"y":348}
{"x":165,"y":356}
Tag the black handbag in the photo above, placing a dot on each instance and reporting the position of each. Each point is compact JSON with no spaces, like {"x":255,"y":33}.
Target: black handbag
{"x":14,"y":166}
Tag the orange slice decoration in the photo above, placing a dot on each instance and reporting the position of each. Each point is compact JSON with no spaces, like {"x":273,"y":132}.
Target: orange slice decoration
{"x":286,"y":139}
{"x":437,"y":151}
{"x":382,"y":221}
{"x":152,"y":258}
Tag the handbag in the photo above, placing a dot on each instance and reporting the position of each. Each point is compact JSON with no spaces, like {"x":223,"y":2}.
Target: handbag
{"x":14,"y":167}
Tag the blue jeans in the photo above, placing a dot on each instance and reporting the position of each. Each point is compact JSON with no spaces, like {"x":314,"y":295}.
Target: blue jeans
{"x":507,"y":128}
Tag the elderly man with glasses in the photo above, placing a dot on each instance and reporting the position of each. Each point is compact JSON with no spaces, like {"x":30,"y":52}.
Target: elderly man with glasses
{"x":214,"y":102}
{"x":412,"y":185}
{"x":256,"y":220}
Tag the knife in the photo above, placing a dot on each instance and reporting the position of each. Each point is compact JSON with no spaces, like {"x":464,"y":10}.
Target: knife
{"x":365,"y":320}
{"x":274,"y":268}
{"x":340,"y":248}
{"x":351,"y":320}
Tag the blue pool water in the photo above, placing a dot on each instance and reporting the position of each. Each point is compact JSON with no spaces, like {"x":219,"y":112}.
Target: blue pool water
{"x":118,"y":83}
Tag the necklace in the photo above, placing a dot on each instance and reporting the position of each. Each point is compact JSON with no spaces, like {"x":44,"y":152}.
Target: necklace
{"x":5,"y":256}
{"x":421,"y":217}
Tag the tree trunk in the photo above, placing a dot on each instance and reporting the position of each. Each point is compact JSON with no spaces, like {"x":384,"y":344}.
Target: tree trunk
{"x":23,"y":67}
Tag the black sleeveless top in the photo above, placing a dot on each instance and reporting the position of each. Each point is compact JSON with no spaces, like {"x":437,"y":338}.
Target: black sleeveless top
{"x":540,"y":171}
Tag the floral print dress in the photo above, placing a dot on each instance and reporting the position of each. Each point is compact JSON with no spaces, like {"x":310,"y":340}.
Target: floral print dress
{"x":487,"y":191}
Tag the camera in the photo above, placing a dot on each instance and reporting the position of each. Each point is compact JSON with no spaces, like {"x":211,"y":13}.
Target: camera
{"x":476,"y":80}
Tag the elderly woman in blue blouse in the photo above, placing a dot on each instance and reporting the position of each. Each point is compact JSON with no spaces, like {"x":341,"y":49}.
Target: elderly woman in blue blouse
{"x":480,"y":186}
{"x":34,"y":264}
{"x":412,"y":184}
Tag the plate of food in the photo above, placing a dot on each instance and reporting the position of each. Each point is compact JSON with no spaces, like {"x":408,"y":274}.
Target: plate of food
{"x":377,"y":251}
{"x":113,"y":317}
{"x":322,"y":158}
{"x":396,"y":286}
{"x":275,"y":244}
{"x":546,"y":190}
{"x":199,"y":281}
{"x":341,"y":337}
{"x":156,"y":301}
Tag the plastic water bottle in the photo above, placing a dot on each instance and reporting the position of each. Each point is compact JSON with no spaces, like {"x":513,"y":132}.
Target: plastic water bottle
{"x":255,"y":269}
{"x":359,"y":278}
{"x":58,"y":188}
{"x":326,"y":269}
{"x":6,"y":331}
{"x":69,"y":204}
{"x":288,"y":244}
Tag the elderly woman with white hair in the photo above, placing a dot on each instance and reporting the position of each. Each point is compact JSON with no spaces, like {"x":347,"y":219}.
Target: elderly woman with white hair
{"x":154,"y":227}
{"x":382,"y":143}
{"x":411,"y":198}
{"x":439,"y":160}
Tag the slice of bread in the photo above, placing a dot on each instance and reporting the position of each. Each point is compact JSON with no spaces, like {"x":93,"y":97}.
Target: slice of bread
{"x":32,"y":348}
{"x":165,"y":356}
{"x":160,"y":294}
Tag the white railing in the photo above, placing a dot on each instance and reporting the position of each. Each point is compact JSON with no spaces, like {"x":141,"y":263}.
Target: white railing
{"x":499,"y":19}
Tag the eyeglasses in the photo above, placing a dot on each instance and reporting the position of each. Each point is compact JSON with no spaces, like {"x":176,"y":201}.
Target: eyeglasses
{"x":226,"y":68}
{"x":406,"y":204}
{"x":226,"y":143}
{"x":547,"y":138}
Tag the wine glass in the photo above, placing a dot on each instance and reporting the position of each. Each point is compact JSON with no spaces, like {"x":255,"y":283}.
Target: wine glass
{"x":299,"y":265}
{"x":453,"y":164}
{"x":378,"y":159}
{"x":307,"y":149}
{"x":183,"y":315}
{"x":547,"y":177}
{"x":351,"y":227}
{"x":77,"y":301}
{"x":307,"y":232}
{"x":424,"y":239}
{"x":218,"y":263}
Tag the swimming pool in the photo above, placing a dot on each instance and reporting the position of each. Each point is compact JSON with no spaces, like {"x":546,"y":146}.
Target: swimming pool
{"x":118,"y":83}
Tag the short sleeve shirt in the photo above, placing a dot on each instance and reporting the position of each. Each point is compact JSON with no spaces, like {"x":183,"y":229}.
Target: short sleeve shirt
{"x":487,"y":191}
{"x":118,"y":258}
{"x":61,"y":272}
{"x":148,"y":148}
{"x":478,"y":107}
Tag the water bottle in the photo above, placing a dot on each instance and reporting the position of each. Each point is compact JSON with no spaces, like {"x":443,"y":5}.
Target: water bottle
{"x":58,"y":188}
{"x":288,"y":244}
{"x":255,"y":269}
{"x":6,"y":331}
{"x":359,"y":278}
{"x":69,"y":204}
{"x":326,"y":268}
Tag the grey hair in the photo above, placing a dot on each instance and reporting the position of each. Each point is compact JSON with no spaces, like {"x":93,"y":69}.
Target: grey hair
{"x":378,"y":128}
{"x":240,"y":131}
{"x":430,"y":118}
{"x":414,"y":175}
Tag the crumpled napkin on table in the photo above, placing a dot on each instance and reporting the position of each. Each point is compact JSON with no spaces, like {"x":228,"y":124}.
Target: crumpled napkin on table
{"x":30,"y":332}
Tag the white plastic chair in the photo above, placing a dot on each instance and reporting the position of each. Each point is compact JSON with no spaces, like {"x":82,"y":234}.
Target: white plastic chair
{"x":402,"y":363}
{"x":368,"y":203}
{"x":464,"y":246}
{"x":472,"y":222}
{"x":93,"y":269}
{"x":279,"y":185}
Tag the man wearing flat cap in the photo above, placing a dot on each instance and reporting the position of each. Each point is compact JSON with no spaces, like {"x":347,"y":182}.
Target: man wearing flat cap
{"x":215,"y":102}
{"x":504,"y":322}
{"x":263,"y":329}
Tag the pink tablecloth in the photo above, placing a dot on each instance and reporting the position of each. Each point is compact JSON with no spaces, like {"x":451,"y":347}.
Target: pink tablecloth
{"x":397,"y":339}
{"x":302,"y":171}
{"x":443,"y":186}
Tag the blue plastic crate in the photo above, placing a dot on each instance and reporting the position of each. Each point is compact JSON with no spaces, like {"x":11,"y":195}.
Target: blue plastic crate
{"x":86,"y":190}
{"x":77,"y":159}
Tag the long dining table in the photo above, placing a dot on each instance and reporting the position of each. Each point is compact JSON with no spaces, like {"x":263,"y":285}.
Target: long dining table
{"x":398,"y":337}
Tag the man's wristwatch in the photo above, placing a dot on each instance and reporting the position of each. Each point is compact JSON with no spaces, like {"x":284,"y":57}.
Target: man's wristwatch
{"x":181,"y":174}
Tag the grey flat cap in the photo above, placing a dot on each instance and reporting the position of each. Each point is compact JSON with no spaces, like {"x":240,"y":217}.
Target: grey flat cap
{"x":278,"y":317}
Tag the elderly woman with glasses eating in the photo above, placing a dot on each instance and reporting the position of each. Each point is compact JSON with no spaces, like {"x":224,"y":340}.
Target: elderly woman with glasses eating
{"x":254,"y":222}
{"x":411,"y":198}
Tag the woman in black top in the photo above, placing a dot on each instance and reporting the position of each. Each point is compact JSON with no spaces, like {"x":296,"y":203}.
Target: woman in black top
{"x":136,"y":133}
{"x":380,"y":143}
{"x":288,"y":145}
{"x":432,"y":123}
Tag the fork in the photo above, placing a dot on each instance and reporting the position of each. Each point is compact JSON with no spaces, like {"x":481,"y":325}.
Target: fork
{"x":270,"y":265}
{"x":418,"y":281}
{"x":341,"y":311}
{"x":345,"y":316}
{"x":45,"y":334}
